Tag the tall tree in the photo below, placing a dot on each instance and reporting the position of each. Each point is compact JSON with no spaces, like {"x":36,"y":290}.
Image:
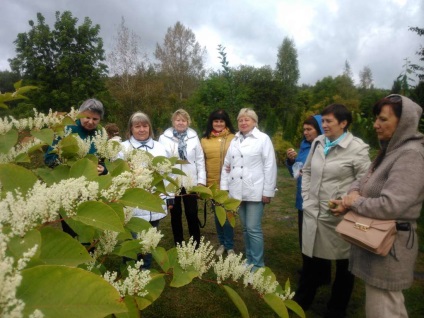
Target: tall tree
{"x":287,"y":75}
{"x":365,"y":78}
{"x":347,"y":70}
{"x":419,"y":68}
{"x":181,"y":60}
{"x":287,"y":68}
{"x":65,"y":62}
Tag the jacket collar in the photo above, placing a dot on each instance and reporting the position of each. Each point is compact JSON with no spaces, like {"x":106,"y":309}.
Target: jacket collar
{"x":191,"y":133}
{"x":253,"y":133}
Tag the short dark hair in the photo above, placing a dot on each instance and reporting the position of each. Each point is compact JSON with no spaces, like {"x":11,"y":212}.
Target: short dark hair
{"x":340,"y":112}
{"x":218,"y":114}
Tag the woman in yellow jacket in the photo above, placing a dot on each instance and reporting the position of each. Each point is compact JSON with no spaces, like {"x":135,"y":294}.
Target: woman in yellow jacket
{"x":215,"y":143}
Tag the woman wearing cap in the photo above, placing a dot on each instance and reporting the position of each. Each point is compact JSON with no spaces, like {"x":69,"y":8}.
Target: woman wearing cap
{"x":250,"y":175}
{"x":183,"y":142}
{"x":392,"y":189}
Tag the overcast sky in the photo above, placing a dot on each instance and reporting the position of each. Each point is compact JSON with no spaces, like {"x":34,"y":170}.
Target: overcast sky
{"x":326,"y":33}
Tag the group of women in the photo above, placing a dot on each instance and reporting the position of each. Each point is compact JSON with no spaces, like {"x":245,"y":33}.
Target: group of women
{"x":336,"y":168}
{"x":332,"y":165}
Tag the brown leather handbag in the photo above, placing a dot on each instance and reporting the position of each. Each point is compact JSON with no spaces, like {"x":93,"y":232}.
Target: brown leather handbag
{"x":374,"y":235}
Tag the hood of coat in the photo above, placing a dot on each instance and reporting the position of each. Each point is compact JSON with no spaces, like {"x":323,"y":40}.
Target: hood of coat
{"x":407,"y":128}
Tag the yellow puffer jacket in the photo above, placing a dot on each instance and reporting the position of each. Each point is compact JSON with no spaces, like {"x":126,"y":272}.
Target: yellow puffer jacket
{"x":215,"y":148}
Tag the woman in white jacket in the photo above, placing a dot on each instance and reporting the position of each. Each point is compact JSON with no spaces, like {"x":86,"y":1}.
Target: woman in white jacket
{"x":183,"y":142}
{"x":250,"y":174}
{"x":140,"y":134}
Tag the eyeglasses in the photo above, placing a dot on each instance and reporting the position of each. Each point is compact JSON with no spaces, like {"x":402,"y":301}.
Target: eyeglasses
{"x":394,"y":98}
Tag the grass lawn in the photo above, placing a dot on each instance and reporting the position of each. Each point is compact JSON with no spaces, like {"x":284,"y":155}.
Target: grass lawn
{"x":282,"y":254}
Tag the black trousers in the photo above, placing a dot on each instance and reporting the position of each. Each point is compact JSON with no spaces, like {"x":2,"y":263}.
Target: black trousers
{"x":314,"y":269}
{"x":191,"y":210}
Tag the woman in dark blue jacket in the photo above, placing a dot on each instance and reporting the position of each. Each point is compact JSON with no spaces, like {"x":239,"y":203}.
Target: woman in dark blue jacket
{"x":311,"y":129}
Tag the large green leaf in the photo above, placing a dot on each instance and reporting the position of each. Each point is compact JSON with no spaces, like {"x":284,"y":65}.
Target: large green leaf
{"x":277,"y":304}
{"x":220,"y":196}
{"x":67,"y":292}
{"x":231,"y":204}
{"x":295,"y":307}
{"x":55,"y":175}
{"x":129,"y":249}
{"x":182,"y":277}
{"x":13,"y":177}
{"x":8,"y":140}
{"x":17,"y":245}
{"x":46,"y":135}
{"x":86,"y":233}
{"x":142,"y":199}
{"x":221,"y":214}
{"x":138,"y":225}
{"x":133,"y":311}
{"x":99,"y":215}
{"x":161,"y":257}
{"x":58,"y":248}
{"x":237,"y":300}
{"x":155,"y":288}
{"x":84,"y":167}
{"x":69,"y":146}
{"x":118,"y":166}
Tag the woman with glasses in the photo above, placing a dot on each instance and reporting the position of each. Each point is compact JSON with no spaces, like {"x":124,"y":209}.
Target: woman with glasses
{"x":392,"y":189}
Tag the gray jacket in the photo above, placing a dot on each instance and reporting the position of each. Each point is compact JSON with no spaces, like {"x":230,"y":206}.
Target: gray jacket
{"x":324,"y":178}
{"x":395,"y":190}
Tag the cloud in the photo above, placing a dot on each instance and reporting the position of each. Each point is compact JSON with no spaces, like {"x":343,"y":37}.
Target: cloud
{"x":326,"y":32}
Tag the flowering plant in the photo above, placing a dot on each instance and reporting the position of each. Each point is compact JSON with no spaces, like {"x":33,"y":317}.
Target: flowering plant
{"x":46,"y":272}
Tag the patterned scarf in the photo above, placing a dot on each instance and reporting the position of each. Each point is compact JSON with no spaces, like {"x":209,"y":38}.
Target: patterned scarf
{"x":182,"y":146}
{"x":330,"y":144}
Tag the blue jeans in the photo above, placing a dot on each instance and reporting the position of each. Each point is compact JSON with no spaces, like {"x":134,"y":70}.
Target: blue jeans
{"x":225,"y":234}
{"x":251,"y":219}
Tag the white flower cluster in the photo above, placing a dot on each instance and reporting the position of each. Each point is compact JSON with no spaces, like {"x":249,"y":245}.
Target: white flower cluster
{"x":19,"y":149}
{"x":164,"y":167}
{"x":232,"y":266}
{"x":42,"y":203}
{"x":39,"y":121}
{"x":202,"y":258}
{"x":106,"y":244}
{"x":84,"y":146}
{"x":106,"y":148}
{"x":288,"y":294}
{"x":149,"y":239}
{"x":261,"y":283}
{"x":118,"y":187}
{"x":128,"y":214}
{"x":134,"y":284}
{"x":10,"y":279}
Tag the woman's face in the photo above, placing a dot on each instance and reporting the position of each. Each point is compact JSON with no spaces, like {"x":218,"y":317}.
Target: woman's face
{"x":140,"y":131}
{"x":90,"y":120}
{"x":246,"y":124}
{"x":180,"y":124}
{"x":309,"y":132}
{"x":218,"y":125}
{"x":333,"y":129}
{"x":386,"y":123}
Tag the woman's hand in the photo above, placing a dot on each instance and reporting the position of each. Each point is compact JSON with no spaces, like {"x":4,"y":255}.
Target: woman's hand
{"x":291,"y":154}
{"x":100,"y":169}
{"x":266,"y":200}
{"x":336,"y":207}
{"x":349,"y":199}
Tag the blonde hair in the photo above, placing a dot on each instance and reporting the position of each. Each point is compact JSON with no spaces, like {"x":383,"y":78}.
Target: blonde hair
{"x":182,"y":113}
{"x":248,"y":112}
{"x":139,"y":117}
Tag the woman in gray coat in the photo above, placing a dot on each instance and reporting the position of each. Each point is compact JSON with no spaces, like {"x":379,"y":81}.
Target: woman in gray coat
{"x":393,"y":188}
{"x":335,"y":161}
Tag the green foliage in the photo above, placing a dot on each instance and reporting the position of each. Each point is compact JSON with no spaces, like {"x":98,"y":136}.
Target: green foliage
{"x":65,"y":62}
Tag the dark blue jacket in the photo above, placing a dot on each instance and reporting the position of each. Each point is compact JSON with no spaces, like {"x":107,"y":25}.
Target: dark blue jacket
{"x":50,"y":159}
{"x":304,"y":149}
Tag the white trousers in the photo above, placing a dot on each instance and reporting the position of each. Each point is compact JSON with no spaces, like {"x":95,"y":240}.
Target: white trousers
{"x":382,"y":303}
